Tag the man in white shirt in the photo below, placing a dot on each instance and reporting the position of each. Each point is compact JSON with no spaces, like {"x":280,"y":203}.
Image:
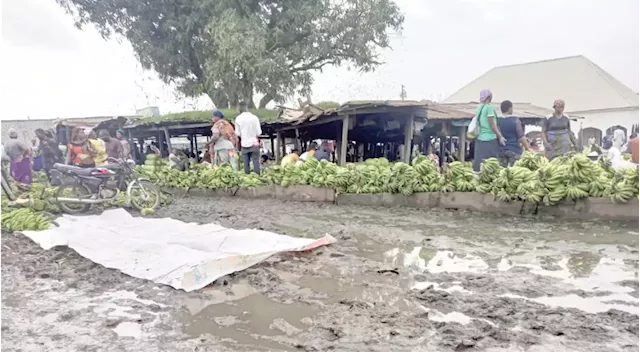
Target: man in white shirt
{"x":248,"y":129}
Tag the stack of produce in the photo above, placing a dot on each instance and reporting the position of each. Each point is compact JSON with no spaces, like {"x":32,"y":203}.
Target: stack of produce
{"x":532,"y":161}
{"x":505,"y":186}
{"x":372,"y":176}
{"x":583,"y":176}
{"x":461,"y":176}
{"x":430,"y":179}
{"x":623,"y":186}
{"x":292,"y":176}
{"x":272,"y":175}
{"x":155,"y":163}
{"x":319,"y":173}
{"x":489,"y":171}
{"x":23,"y":219}
{"x":404,"y":179}
{"x":251,"y":180}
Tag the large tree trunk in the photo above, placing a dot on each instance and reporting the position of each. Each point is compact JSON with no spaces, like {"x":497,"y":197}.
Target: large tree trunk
{"x":264,"y":101}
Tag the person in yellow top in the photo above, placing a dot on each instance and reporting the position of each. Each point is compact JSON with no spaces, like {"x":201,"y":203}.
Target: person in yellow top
{"x":291,"y":158}
{"x":309,"y":153}
{"x":98,"y":145}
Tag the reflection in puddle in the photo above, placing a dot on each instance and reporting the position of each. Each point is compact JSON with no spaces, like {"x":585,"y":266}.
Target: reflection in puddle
{"x":605,"y":275}
{"x":245,"y":319}
{"x":438,"y":262}
{"x":128,"y":329}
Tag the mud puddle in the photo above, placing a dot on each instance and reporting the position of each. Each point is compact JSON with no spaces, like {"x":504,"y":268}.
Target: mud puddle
{"x":397,"y":280}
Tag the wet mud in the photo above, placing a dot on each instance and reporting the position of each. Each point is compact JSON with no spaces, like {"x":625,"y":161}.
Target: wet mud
{"x":397,"y":280}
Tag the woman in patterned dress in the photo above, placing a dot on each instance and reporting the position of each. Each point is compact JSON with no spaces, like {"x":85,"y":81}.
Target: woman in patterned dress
{"x":556,"y":133}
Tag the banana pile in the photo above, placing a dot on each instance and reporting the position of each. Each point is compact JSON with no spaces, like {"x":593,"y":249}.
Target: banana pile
{"x":319,"y":173}
{"x":505,"y":186}
{"x":430,"y":179}
{"x":489,"y":171}
{"x":623,"y":186}
{"x":461,"y":176}
{"x":403,"y":179}
{"x":23,"y":219}
{"x":533,"y":178}
{"x":531,"y":160}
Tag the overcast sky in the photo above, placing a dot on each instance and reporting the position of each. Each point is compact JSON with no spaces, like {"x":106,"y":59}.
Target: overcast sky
{"x":50,"y":69}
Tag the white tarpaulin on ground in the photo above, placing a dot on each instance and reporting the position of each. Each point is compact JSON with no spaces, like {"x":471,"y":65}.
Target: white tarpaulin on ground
{"x":185,"y":256}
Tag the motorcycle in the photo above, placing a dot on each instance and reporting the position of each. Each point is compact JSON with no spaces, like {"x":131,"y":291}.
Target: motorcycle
{"x":79,"y":188}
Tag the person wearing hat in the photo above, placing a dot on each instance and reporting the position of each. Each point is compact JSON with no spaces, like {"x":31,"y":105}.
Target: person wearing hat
{"x":19,"y":153}
{"x":120,"y":134}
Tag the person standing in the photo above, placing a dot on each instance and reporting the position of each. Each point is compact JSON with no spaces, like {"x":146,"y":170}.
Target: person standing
{"x":49,"y":150}
{"x":99,"y":146}
{"x":223,"y":144}
{"x":249,"y":130}
{"x":323,"y":151}
{"x":511,"y":129}
{"x":113,"y":147}
{"x":556,"y":133}
{"x":19,"y":153}
{"x":633,"y":148}
{"x":79,"y":152}
{"x":36,"y":155}
{"x":489,"y":140}
{"x":120,"y":134}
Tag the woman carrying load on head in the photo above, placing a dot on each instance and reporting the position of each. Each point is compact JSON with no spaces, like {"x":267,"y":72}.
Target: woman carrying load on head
{"x":224,"y":142}
{"x":556,"y":133}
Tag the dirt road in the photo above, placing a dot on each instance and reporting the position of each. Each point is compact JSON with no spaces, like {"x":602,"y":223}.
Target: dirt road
{"x":397,"y":280}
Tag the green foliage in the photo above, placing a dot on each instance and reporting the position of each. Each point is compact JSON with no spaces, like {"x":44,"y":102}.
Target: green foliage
{"x":233,"y":49}
{"x":265,"y":115}
{"x":328,"y":105}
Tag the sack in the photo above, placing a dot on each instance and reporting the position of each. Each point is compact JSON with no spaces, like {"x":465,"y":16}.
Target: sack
{"x":473,"y":130}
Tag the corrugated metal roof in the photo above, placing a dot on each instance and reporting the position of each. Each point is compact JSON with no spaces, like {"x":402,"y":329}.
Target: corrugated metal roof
{"x":582,"y":84}
{"x":287,"y":116}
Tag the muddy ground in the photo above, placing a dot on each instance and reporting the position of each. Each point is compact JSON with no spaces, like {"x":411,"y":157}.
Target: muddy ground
{"x":397,"y":280}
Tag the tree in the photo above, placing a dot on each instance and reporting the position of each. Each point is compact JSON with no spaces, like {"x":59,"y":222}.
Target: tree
{"x":233,"y":49}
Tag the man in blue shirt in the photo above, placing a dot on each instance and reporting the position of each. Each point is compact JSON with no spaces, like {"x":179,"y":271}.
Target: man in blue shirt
{"x":513,"y":131}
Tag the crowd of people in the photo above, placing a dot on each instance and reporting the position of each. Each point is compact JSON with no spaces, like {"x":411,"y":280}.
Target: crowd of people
{"x":503,"y":137}
{"x":86,"y":148}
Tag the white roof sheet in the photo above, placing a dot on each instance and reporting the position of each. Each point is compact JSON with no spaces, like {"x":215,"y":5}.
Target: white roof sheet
{"x":582,"y":84}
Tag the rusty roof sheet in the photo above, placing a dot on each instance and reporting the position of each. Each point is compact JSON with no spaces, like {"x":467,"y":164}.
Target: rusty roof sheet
{"x":311,"y":112}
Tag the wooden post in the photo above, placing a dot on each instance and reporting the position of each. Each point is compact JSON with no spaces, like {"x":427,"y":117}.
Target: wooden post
{"x":442,"y":148}
{"x":344,"y":140}
{"x":462,"y":143}
{"x":281,"y":151}
{"x":297,"y":140}
{"x":191,"y":148}
{"x":167,"y":138}
{"x":408,"y":139}
{"x":273,"y":147}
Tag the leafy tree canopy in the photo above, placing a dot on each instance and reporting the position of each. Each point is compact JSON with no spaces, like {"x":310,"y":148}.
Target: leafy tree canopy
{"x":233,"y":49}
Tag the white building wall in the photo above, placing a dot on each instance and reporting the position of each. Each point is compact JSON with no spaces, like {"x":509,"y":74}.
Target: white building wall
{"x":605,"y":119}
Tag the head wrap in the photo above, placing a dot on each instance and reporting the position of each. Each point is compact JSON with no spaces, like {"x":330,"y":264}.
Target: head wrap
{"x":13,"y":133}
{"x":218,"y":113}
{"x":485,"y":94}
{"x":558,"y":102}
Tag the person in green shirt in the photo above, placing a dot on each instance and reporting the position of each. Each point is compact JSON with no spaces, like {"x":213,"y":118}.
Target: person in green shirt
{"x":488,"y":142}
